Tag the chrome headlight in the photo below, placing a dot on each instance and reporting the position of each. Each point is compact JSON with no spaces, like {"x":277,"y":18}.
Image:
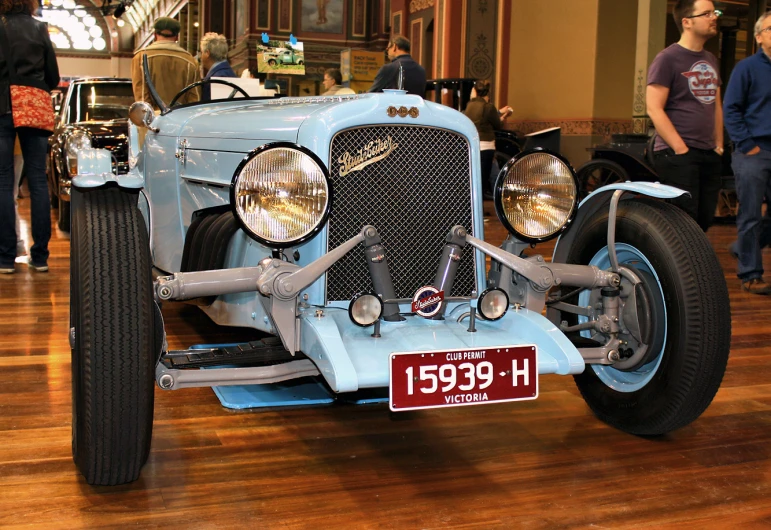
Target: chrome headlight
{"x":281,"y":194}
{"x":76,"y":141}
{"x":536,"y":195}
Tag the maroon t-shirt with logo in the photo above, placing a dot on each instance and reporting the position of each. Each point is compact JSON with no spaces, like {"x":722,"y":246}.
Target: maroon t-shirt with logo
{"x":693,"y":80}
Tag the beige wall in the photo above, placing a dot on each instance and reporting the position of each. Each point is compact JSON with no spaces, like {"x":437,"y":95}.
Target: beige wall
{"x":552,"y":67}
{"x":94,"y":67}
{"x":615,"y":59}
{"x":572,"y":61}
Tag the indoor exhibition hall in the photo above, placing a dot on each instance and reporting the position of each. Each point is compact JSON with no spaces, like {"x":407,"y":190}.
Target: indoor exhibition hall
{"x":366,"y":264}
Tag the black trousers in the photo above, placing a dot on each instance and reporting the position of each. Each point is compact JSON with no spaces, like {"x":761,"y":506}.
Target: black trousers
{"x":699,"y":172}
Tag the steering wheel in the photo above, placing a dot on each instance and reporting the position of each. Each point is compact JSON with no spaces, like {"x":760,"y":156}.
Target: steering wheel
{"x":188,"y":88}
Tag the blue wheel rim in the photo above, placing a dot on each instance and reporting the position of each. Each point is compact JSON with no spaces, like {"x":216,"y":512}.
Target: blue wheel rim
{"x":616,"y":379}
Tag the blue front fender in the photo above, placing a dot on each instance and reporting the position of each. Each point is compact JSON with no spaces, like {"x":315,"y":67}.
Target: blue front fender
{"x":600,"y":198}
{"x":95,"y":166}
{"x":95,"y":171}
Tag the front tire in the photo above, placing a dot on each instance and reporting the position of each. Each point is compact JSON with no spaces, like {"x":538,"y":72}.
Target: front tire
{"x":112,"y":319}
{"x":675,"y":386}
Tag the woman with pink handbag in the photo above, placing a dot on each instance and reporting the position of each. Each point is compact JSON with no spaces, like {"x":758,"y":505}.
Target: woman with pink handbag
{"x":28,"y":73}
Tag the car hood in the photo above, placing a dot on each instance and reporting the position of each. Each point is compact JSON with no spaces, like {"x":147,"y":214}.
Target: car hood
{"x":275,"y":119}
{"x":239,"y":127}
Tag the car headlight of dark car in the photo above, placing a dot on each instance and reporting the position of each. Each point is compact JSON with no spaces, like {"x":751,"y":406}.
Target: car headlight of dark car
{"x":536,"y":196}
{"x":76,"y":141}
{"x":281,"y":194}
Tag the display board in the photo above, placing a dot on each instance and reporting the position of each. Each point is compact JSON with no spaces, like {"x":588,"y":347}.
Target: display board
{"x":360,"y":65}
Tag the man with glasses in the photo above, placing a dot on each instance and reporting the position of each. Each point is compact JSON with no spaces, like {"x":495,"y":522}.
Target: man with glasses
{"x":683,"y":100}
{"x":748,"y":121}
{"x":388,"y":77}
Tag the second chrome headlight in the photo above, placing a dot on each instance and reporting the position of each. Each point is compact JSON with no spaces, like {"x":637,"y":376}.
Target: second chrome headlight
{"x":536,"y":195}
{"x":281,"y":194}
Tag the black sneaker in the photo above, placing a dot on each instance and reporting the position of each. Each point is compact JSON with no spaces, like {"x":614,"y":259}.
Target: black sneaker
{"x":38,"y":267}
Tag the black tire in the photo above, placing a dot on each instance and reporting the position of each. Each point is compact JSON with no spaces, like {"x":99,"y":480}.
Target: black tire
{"x":63,"y":216}
{"x":694,"y":357}
{"x":597,"y":173}
{"x":113,"y":358}
{"x":271,"y":62}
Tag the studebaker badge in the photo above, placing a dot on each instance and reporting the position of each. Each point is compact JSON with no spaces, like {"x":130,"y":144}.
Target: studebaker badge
{"x":374,"y":151}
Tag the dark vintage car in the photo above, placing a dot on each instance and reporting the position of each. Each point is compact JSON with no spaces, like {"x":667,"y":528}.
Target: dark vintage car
{"x":94,"y":114}
{"x":630,"y":157}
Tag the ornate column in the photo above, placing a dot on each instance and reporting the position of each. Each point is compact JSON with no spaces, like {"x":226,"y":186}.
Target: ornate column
{"x":651,"y":31}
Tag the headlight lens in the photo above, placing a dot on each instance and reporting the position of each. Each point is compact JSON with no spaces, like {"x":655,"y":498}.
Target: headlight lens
{"x":76,"y":141}
{"x":281,"y":194}
{"x":536,"y":195}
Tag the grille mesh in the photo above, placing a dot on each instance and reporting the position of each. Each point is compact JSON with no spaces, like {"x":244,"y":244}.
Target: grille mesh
{"x":413,"y":197}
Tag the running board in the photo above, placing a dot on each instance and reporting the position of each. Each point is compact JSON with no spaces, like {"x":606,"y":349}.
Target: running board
{"x":267,"y":360}
{"x":264,"y":352}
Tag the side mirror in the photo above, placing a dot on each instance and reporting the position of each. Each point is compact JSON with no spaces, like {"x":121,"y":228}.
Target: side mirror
{"x":141,"y":114}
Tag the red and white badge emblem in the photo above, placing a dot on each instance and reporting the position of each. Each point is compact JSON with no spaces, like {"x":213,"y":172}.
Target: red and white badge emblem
{"x":702,"y":80}
{"x":427,"y":301}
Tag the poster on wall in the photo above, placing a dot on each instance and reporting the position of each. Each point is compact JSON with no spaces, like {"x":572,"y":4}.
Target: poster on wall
{"x":281,"y":57}
{"x":322,"y":16}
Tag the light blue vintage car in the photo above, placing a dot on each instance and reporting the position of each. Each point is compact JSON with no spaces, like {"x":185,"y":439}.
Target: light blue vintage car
{"x":351,"y":230}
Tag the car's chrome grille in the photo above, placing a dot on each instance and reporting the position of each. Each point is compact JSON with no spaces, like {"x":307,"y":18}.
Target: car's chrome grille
{"x":413,"y":197}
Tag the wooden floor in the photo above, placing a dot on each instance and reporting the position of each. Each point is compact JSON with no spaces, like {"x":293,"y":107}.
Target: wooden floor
{"x":543,"y":464}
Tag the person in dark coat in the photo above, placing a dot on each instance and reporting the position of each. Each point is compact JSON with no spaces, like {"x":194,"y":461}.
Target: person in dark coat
{"x":388,"y":76}
{"x":33,"y":57}
{"x":214,"y":58}
{"x":747,"y":112}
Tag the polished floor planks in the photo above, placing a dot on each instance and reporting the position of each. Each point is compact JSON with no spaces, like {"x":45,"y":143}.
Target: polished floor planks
{"x":548,"y":463}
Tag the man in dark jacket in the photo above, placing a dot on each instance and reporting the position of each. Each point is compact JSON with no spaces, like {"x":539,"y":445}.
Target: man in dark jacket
{"x":388,"y":76}
{"x":214,"y":59}
{"x":747,"y":114}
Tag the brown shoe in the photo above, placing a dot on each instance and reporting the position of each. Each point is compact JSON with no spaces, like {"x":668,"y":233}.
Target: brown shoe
{"x":756,"y":286}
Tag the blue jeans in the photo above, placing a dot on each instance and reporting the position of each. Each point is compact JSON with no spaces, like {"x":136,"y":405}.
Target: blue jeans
{"x":34,"y":150}
{"x":753,"y":183}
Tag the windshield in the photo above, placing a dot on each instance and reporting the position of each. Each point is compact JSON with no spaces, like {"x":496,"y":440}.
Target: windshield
{"x":99,"y":102}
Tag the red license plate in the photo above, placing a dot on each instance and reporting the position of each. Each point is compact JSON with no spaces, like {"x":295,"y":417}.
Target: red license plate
{"x":425,"y":380}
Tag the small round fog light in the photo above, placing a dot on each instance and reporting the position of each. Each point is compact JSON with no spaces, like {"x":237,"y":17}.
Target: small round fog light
{"x":365,"y":309}
{"x":493,"y":304}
